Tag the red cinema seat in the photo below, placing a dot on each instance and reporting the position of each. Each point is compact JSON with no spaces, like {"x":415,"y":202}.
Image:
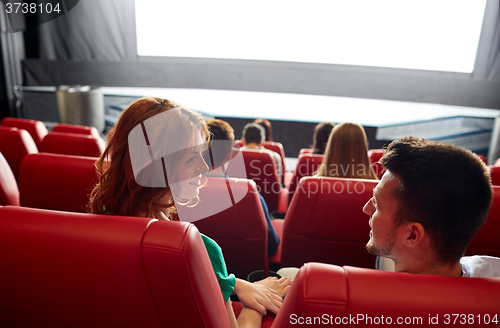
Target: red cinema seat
{"x":345,"y":296}
{"x":374,"y":155}
{"x":78,"y":129}
{"x":36,"y":129}
{"x":486,"y":241}
{"x":73,"y":144}
{"x":15,"y":144}
{"x":57,"y":182}
{"x":278,"y":148}
{"x":230,"y":212}
{"x":62,"y":269}
{"x":307,"y":164}
{"x":260,"y":167}
{"x":325,"y":223}
{"x":495,"y":175}
{"x":9,"y":192}
{"x":305,"y":151}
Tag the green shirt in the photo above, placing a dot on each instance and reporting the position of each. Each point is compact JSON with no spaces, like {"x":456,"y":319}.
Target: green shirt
{"x":226,"y":281}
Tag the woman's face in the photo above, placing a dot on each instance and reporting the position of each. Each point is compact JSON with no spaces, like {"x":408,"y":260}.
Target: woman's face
{"x":189,"y":170}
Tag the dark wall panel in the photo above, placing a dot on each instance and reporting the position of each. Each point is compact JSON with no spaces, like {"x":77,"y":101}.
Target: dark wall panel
{"x":332,"y":80}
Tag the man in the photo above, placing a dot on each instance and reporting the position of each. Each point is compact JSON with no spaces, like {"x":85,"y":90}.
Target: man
{"x":430,"y":203}
{"x":221,"y":148}
{"x":253,"y":135}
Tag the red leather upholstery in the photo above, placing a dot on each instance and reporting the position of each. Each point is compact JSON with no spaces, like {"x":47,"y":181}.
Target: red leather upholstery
{"x":62,"y":269}
{"x":73,"y":144}
{"x":234,"y":218}
{"x":57,"y":182}
{"x":486,"y":241}
{"x":374,"y":155}
{"x":260,"y":167}
{"x":278,"y":148}
{"x":325,"y":223}
{"x":78,"y":129}
{"x":9,"y":192}
{"x":495,"y":175}
{"x":271,"y":145}
{"x":36,"y":129}
{"x":305,"y":151}
{"x":14,"y":145}
{"x":321,"y":290}
{"x":307,"y":164}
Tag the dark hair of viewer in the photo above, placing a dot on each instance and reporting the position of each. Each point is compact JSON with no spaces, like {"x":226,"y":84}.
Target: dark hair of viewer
{"x":320,"y":138}
{"x":446,"y":188}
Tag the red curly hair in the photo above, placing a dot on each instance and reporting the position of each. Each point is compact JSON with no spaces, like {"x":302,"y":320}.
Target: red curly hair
{"x":117,"y":191}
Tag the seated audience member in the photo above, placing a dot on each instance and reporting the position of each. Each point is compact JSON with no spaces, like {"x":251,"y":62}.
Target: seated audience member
{"x":346,"y":154}
{"x":321,"y":133}
{"x":253,"y":135}
{"x":152,"y":164}
{"x":430,"y":203}
{"x":221,"y":130}
{"x":267,"y":127}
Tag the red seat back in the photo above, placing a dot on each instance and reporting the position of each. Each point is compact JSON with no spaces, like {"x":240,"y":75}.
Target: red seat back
{"x":230,"y":212}
{"x":495,"y":175}
{"x":57,"y":182}
{"x":78,"y":129}
{"x":36,"y":129}
{"x":374,"y":155}
{"x":307,"y":164}
{"x":365,"y":297}
{"x":278,"y":148}
{"x":486,"y":241}
{"x":73,"y":144}
{"x":325,"y":223}
{"x":260,"y":167}
{"x":81,"y":270}
{"x":9,"y":192}
{"x":305,"y":151}
{"x":14,"y":145}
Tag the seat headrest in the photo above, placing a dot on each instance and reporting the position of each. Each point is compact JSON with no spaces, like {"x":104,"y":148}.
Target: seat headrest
{"x":364,"y":296}
{"x":64,"y":269}
{"x":57,"y":182}
{"x":73,"y":144}
{"x":9,"y":192}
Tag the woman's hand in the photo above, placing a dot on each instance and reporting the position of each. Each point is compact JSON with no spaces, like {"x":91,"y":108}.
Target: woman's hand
{"x":280,"y":286}
{"x":257,"y":296}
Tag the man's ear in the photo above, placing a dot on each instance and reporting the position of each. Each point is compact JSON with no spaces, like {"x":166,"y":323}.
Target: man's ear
{"x":414,"y":234}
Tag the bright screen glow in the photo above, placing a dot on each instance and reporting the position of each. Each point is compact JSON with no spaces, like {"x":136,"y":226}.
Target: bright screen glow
{"x":429,"y":35}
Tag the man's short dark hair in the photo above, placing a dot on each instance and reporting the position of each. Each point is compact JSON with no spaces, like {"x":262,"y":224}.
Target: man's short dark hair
{"x":221,"y":141}
{"x":444,"y":187}
{"x":253,"y":132}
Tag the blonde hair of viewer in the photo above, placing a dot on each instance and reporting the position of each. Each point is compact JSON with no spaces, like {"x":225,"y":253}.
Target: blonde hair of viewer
{"x":346,"y":154}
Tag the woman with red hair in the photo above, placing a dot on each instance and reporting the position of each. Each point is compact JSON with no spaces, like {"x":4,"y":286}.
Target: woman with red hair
{"x":152,"y":164}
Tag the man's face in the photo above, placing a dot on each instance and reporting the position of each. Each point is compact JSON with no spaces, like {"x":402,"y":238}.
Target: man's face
{"x":382,"y":209}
